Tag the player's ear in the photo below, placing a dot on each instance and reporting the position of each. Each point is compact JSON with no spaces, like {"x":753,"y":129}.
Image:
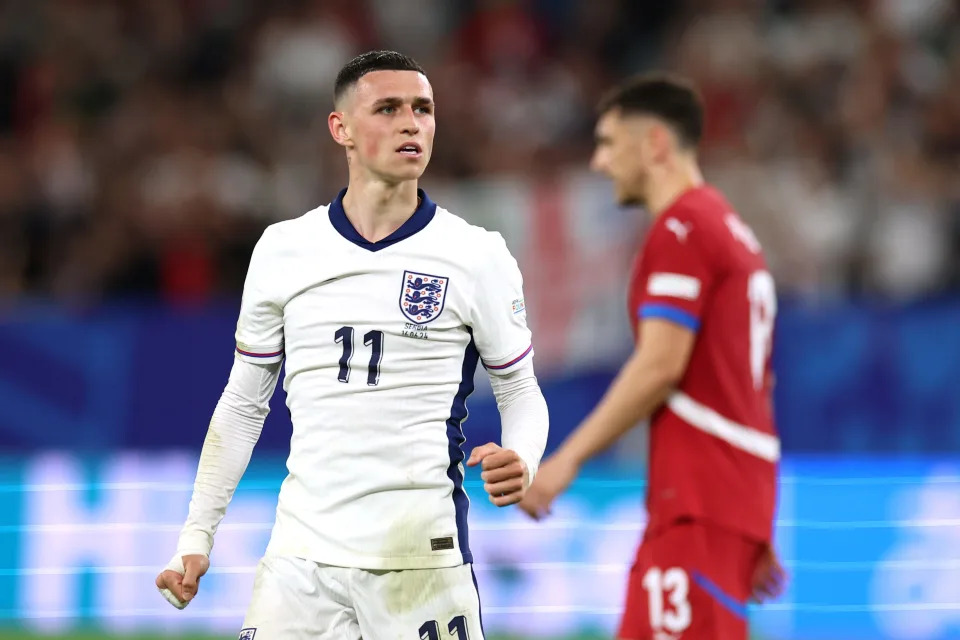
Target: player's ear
{"x":339,"y":131}
{"x":661,"y":140}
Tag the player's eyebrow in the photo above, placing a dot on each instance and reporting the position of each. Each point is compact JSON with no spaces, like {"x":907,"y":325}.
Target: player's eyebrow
{"x":393,"y":101}
{"x":388,"y":102}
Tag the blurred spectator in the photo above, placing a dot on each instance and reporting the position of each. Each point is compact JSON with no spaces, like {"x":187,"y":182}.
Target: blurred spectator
{"x":144,"y":145}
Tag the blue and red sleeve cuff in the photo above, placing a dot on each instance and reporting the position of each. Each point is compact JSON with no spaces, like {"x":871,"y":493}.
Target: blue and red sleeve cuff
{"x":507,"y":365}
{"x":259,"y":355}
{"x":669,"y":312}
{"x":263,"y":355}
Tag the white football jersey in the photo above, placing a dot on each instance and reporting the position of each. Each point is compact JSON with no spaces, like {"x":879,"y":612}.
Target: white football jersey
{"x":381,"y":342}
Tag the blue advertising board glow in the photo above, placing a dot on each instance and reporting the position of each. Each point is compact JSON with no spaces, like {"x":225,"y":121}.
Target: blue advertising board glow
{"x":872,"y":546}
{"x":850,"y":378}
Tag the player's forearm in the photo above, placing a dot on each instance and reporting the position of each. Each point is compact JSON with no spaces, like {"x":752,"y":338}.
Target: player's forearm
{"x":231,"y":437}
{"x":641,"y":386}
{"x":523,"y":415}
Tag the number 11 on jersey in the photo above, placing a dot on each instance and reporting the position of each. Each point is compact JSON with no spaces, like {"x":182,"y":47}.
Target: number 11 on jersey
{"x":430,"y":630}
{"x":373,"y":339}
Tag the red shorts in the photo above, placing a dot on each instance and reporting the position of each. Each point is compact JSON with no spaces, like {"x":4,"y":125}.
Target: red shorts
{"x":690,"y":581}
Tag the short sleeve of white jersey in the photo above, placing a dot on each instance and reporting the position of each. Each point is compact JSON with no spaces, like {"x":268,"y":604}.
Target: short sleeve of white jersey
{"x":499,"y":319}
{"x":260,"y":326}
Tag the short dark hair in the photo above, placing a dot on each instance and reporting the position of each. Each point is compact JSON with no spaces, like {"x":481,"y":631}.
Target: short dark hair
{"x":669,"y":98}
{"x":371,"y":61}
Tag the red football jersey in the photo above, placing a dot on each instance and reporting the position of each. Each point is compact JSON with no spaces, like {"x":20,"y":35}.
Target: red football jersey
{"x":713,"y":445}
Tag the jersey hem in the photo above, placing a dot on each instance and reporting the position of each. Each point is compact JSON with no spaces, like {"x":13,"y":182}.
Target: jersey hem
{"x":453,"y":558}
{"x":662,"y":523}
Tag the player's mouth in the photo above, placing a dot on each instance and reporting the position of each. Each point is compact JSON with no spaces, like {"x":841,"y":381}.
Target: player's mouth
{"x":410,"y":149}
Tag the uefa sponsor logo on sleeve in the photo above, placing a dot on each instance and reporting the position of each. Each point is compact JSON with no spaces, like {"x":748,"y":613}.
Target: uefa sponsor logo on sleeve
{"x":248,"y":633}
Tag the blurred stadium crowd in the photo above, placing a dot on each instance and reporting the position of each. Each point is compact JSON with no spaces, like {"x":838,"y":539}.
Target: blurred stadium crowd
{"x":144,"y":144}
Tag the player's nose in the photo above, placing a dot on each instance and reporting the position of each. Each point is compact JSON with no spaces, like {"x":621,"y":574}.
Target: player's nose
{"x":409,"y":125}
{"x":596,"y":163}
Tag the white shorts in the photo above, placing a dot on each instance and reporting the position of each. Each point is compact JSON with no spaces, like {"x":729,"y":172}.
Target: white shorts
{"x":296,"y":599}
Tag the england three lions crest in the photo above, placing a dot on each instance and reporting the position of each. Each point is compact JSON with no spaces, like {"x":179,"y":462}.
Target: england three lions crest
{"x":422,"y":296}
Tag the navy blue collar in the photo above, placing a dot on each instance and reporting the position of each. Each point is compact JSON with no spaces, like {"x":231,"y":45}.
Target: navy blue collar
{"x":420,"y":219}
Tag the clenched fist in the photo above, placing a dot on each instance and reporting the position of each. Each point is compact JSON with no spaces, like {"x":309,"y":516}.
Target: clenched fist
{"x":505,"y":476}
{"x":179,"y":582}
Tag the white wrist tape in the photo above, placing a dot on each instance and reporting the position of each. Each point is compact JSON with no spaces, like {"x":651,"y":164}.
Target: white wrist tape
{"x":175,"y":564}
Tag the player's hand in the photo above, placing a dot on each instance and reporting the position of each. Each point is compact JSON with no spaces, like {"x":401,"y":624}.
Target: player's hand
{"x":769,"y":576}
{"x":504,"y":473}
{"x":180,"y":581}
{"x":553,"y":478}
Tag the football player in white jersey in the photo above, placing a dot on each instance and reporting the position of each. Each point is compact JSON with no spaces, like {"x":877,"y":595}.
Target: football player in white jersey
{"x":381,"y":304}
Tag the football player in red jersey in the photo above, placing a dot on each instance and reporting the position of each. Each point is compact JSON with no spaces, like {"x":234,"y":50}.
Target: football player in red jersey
{"x":702,"y":306}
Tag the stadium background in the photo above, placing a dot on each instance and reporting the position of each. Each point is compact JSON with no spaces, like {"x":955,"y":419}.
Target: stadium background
{"x":144,"y":145}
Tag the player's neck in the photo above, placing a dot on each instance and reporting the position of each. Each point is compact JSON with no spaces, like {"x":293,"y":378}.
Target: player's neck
{"x":376,"y":208}
{"x":673,"y":181}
